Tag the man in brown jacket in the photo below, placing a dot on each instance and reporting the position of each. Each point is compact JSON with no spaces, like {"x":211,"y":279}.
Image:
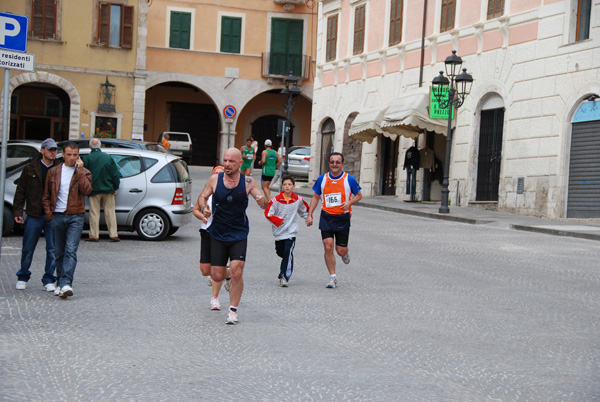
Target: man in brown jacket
{"x":66,"y":185}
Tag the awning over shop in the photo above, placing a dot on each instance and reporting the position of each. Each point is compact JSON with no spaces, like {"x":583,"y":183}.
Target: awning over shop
{"x":408,"y":115}
{"x":367,"y":125}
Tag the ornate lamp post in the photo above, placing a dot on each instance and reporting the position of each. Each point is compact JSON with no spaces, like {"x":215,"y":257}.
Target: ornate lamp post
{"x":289,"y":97}
{"x":458,"y":87}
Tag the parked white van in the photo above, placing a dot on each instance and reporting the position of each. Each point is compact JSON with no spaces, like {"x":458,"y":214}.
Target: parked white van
{"x":181,"y":144}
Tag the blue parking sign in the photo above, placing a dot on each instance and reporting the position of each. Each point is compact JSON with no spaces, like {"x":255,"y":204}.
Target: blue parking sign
{"x":13,"y":32}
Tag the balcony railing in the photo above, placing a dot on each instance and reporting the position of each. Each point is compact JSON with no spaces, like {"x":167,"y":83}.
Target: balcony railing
{"x":280,"y":65}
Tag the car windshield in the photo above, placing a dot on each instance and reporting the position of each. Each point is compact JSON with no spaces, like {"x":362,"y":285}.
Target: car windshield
{"x":300,"y":151}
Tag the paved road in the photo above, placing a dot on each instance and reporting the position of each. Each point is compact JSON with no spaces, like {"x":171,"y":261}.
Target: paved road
{"x":427,"y":310}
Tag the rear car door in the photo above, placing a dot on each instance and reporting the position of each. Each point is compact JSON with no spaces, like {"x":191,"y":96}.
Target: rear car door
{"x":133,"y":186}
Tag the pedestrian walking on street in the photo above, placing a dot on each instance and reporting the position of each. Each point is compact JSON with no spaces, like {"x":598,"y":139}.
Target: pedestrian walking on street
{"x":270,"y":161}
{"x":281,"y":212}
{"x":205,"y":245}
{"x":30,"y":189}
{"x":229,"y":229}
{"x":66,"y":185}
{"x":248,"y":156}
{"x":105,"y":183}
{"x":338,"y":191}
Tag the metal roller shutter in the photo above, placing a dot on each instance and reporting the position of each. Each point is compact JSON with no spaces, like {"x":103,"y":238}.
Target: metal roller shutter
{"x":584,"y":171}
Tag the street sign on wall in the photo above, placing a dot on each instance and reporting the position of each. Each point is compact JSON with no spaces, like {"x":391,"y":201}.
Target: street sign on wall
{"x":435,"y":111}
{"x":13,"y":32}
{"x":229,"y":112}
{"x":16,"y":61}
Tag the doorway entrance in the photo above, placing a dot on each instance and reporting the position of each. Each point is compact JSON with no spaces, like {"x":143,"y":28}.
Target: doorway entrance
{"x":389,"y":152}
{"x":490,"y":154}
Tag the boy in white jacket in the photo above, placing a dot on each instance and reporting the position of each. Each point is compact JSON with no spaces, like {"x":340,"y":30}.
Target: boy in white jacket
{"x":282,"y":211}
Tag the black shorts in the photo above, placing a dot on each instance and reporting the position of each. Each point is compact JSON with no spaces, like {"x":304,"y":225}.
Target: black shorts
{"x":222,"y":251}
{"x":341,"y":237}
{"x":266,"y":178}
{"x":205,"y":241}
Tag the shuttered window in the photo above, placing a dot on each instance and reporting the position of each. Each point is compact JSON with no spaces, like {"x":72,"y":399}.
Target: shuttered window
{"x":359,"y":29}
{"x":396,"y":22}
{"x":286,"y":46}
{"x":115,"y":25}
{"x":180,"y":29}
{"x":448,"y":11}
{"x":231,"y":34}
{"x":332,"y":23}
{"x":44,"y":19}
{"x":495,"y":9}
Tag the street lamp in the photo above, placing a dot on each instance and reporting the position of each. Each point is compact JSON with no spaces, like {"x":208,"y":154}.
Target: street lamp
{"x":289,"y":97}
{"x":458,"y":88}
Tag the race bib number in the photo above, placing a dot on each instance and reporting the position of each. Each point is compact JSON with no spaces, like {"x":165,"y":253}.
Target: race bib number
{"x":333,"y":200}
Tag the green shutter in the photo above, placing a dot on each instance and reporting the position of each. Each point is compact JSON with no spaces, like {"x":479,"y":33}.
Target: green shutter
{"x":231,"y":34}
{"x":286,"y":46}
{"x":180,"y":30}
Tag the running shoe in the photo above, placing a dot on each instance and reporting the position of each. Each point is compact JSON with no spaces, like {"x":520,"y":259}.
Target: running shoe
{"x":214,"y":304}
{"x":49,"y":287}
{"x":346,"y":258}
{"x":209,"y":281}
{"x":232,"y":318}
{"x":283,"y":283}
{"x":65,"y":292}
{"x":227,"y":284}
{"x":332,"y":283}
{"x":21,"y":285}
{"x":57,"y":291}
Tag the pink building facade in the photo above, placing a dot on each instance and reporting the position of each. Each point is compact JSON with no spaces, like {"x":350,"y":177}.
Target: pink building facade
{"x":527,"y":138}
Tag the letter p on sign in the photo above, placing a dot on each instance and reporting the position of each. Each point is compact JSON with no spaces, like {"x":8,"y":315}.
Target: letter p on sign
{"x":13,"y":32}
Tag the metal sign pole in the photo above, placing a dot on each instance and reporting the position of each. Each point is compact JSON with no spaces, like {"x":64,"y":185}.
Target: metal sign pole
{"x":5,"y":121}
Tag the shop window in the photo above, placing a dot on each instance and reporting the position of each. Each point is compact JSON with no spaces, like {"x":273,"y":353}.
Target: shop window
{"x":106,"y":127}
{"x":115,"y":25}
{"x":396,"y":22}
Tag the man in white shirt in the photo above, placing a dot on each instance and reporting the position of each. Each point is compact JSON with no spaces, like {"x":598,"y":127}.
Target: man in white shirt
{"x":66,"y":185}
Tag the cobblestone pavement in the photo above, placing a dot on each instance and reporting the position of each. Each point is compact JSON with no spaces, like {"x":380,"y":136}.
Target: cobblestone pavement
{"x":427,"y":310}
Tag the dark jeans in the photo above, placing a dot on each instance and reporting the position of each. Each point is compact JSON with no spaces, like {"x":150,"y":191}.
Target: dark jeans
{"x":66,"y":230}
{"x":411,"y":180}
{"x":285,"y":250}
{"x":33,"y":231}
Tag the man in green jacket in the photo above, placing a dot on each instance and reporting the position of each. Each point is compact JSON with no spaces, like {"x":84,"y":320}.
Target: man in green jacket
{"x":105,"y":183}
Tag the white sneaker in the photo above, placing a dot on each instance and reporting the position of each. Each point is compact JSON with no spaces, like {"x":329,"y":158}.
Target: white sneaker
{"x":332,"y":283}
{"x":209,"y":281}
{"x":227,"y":284}
{"x":57,"y":291}
{"x":65,"y":292}
{"x":232,"y":318}
{"x":214,"y":304}
{"x":21,"y":285}
{"x":283,"y":283}
{"x":346,"y":258}
{"x":50,"y":287}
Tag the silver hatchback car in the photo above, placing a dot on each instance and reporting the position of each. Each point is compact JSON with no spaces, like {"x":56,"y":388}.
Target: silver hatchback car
{"x":154,"y":197}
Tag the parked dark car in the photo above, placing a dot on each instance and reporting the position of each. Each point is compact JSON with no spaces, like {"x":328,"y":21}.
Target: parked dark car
{"x":119,"y":143}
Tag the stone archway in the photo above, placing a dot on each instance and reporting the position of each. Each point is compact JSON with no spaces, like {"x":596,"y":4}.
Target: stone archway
{"x":47,"y":78}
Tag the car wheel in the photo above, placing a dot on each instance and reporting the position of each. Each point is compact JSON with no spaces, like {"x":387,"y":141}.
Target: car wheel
{"x":172,"y":231}
{"x":9,"y":221}
{"x":152,"y":224}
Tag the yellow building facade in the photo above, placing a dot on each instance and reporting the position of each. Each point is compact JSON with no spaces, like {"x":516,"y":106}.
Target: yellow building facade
{"x":86,"y":70}
{"x":203,"y":56}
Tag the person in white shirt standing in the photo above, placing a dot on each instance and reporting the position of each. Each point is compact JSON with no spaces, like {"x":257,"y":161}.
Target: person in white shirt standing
{"x":66,"y":185}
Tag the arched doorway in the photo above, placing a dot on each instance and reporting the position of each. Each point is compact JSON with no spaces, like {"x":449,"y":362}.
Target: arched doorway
{"x":352,"y":150}
{"x":584,"y":165}
{"x":176,"y":106}
{"x":490,"y":148}
{"x":327,"y":135}
{"x":39,"y":111}
{"x":267,"y":127}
